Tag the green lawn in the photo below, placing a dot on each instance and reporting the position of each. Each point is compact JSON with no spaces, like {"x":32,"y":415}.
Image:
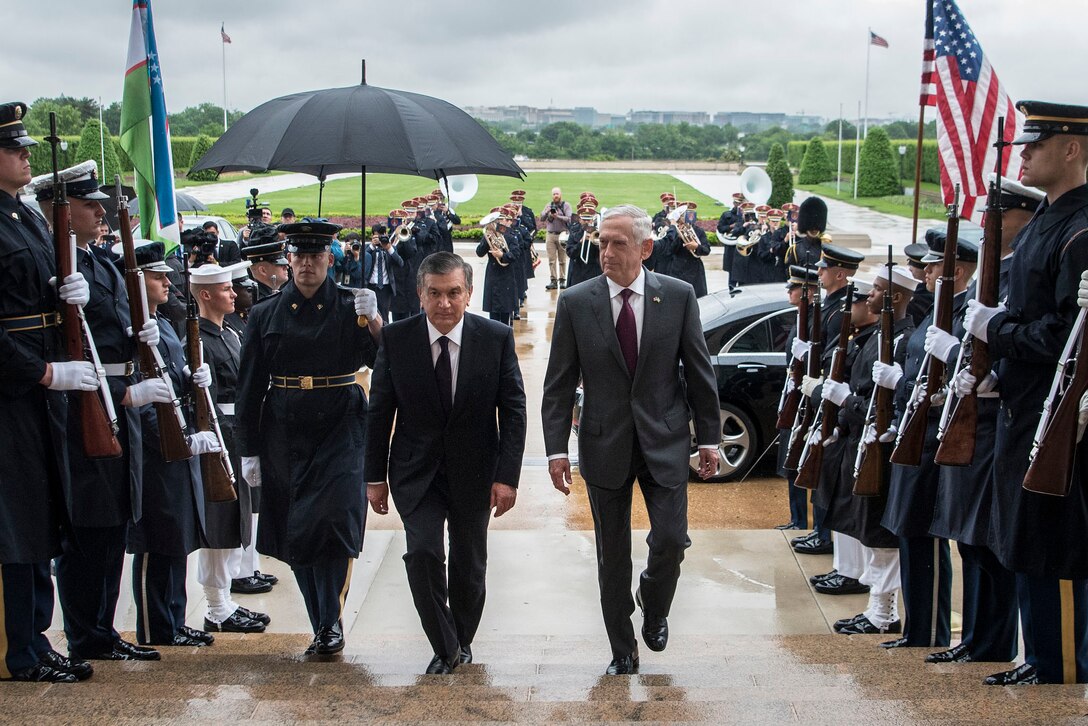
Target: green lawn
{"x":900,"y":205}
{"x":386,"y":191}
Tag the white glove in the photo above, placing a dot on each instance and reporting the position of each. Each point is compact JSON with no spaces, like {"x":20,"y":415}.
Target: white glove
{"x":889,"y":436}
{"x":814,"y":436}
{"x":153,"y":390}
{"x":75,"y":290}
{"x":204,"y":442}
{"x":835,"y":392}
{"x":964,"y":383}
{"x":869,"y":437}
{"x":1082,"y":415}
{"x":887,"y":376}
{"x":202,"y":376}
{"x":939,"y":343}
{"x":800,"y":348}
{"x":251,"y":470}
{"x":1082,"y":291}
{"x":833,"y":437}
{"x":74,"y":376}
{"x":366,"y":303}
{"x":149,"y":333}
{"x":808,"y":385}
{"x":978,"y":318}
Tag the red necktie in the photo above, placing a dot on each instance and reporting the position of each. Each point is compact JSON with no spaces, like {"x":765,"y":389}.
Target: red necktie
{"x":626,"y":332}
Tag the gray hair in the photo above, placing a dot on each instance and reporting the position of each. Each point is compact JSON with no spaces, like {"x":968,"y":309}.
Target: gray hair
{"x":640,"y":221}
{"x":443,"y":263}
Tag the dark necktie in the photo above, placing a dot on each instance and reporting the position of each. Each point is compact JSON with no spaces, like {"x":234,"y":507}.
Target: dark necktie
{"x":626,"y":332}
{"x":443,"y":373}
{"x":379,"y":274}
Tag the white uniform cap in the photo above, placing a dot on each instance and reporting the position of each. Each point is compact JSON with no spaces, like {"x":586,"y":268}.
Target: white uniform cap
{"x":239,"y":270}
{"x":210,"y":275}
{"x":900,"y":276}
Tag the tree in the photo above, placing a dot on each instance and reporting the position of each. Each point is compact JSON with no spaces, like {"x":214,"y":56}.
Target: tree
{"x":878,"y":172}
{"x":781,"y":177}
{"x":91,"y":146}
{"x":203,"y":143}
{"x":815,"y":166}
{"x":36,"y":120}
{"x":831,"y":131}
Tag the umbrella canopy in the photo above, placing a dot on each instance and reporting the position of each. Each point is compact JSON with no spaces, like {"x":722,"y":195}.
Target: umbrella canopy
{"x":358,"y":128}
{"x":185,"y":203}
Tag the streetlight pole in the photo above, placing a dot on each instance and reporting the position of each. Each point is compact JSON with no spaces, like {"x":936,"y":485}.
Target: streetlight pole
{"x":902,"y":157}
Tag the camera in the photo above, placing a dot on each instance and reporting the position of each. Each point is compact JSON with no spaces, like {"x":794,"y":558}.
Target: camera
{"x":202,"y":249}
{"x":254,"y":208}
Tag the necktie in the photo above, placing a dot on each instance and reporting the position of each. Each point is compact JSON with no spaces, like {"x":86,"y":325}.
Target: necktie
{"x":626,"y":333}
{"x":443,"y":373}
{"x":380,"y":265}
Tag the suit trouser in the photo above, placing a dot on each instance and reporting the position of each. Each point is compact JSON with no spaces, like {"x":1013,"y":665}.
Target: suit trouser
{"x":1054,"y":616}
{"x":324,"y":589}
{"x":88,"y":584}
{"x":798,"y":502}
{"x":667,"y":508}
{"x":504,"y":318}
{"x":449,"y":610}
{"x":926,"y":571}
{"x":989,"y":606}
{"x":26,"y":603}
{"x":557,"y":255}
{"x":158,"y":592}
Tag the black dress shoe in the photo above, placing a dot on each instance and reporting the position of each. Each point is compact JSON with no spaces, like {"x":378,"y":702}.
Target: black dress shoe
{"x":840,"y":624}
{"x":866,"y":627}
{"x":184,"y":640}
{"x":236,"y":623}
{"x":625,"y":666}
{"x":439,"y":666}
{"x":207,"y":638}
{"x":270,"y":579}
{"x":655,"y":628}
{"x":330,"y":640}
{"x":81,"y":669}
{"x":1024,"y":675}
{"x":820,"y":578}
{"x":814,"y":546}
{"x":311,"y":649}
{"x":897,"y":643}
{"x":124,"y":650}
{"x":41,"y":673}
{"x":466,"y":654}
{"x":254,"y":615}
{"x":956,"y":654}
{"x":840,"y":585}
{"x":249,"y":586}
{"x":803,"y":538}
{"x":787,"y":526}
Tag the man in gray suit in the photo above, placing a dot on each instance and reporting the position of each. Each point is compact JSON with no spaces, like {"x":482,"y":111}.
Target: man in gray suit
{"x":624,"y":335}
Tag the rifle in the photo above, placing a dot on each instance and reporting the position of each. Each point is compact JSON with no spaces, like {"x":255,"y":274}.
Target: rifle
{"x":912,"y":432}
{"x":98,"y":418}
{"x":1050,"y":464}
{"x":216,"y":471}
{"x":812,"y":458}
{"x":805,"y":412}
{"x":791,"y":394}
{"x":869,"y":462}
{"x":959,"y":418}
{"x":172,"y":442}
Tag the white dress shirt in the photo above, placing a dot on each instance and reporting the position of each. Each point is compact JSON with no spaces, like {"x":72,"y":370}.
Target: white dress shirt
{"x":454,"y":347}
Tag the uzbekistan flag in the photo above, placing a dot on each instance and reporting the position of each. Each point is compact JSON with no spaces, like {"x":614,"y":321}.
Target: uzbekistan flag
{"x":145,"y":131}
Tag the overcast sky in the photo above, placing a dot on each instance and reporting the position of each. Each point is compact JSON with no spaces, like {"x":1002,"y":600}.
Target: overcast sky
{"x":790,"y":56}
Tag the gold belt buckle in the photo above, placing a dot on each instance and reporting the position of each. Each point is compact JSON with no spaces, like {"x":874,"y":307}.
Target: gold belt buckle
{"x":306,"y":383}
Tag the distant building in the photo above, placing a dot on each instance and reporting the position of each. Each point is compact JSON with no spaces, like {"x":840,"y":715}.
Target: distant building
{"x":531,"y":117}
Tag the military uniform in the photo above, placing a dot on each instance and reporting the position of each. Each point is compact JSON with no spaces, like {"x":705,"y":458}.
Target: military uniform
{"x":685,"y":264}
{"x":584,"y":257}
{"x":405,"y":301}
{"x":500,"y":298}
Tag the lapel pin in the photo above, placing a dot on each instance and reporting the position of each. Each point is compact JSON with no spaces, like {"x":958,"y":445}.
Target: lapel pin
{"x":656,"y":299}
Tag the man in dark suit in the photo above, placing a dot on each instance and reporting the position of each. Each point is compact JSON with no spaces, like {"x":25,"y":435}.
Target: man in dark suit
{"x":227,"y":251}
{"x":453,"y":383}
{"x":625,"y":335}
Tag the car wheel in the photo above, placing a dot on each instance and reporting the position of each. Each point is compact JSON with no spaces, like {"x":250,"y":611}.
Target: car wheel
{"x":737,"y":449}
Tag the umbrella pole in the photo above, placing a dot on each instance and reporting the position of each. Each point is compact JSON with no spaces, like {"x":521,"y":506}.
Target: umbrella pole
{"x":320,"y":192}
{"x":362,"y":192}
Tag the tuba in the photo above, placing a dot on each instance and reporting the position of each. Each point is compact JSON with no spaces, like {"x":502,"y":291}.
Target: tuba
{"x":756,"y":186}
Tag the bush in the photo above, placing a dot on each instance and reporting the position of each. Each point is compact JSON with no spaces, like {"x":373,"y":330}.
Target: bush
{"x":41,"y":156}
{"x":200,"y":147}
{"x":781,"y":177}
{"x":91,"y":145}
{"x":816,"y":166}
{"x":931,"y":171}
{"x":181,"y":149}
{"x":878,"y":171}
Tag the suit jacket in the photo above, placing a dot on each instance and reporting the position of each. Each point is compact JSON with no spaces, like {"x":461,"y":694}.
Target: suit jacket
{"x":473,"y":448}
{"x":655,"y":406}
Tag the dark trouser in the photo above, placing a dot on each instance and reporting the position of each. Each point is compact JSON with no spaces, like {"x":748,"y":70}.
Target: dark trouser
{"x":667,"y":508}
{"x":449,"y":609}
{"x":158,"y":591}
{"x":798,"y":502}
{"x":324,"y":589}
{"x":818,"y":515}
{"x":26,"y":603}
{"x":925,"y":565}
{"x":384,"y":293}
{"x":88,"y":583}
{"x":989,"y":606}
{"x":1055,"y":620}
{"x":504,"y":318}
{"x":393,"y":315}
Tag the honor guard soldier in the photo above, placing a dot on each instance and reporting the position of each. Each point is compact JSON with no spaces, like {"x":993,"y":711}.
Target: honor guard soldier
{"x":103,"y":494}
{"x":689,"y":247}
{"x":922,"y":302}
{"x":269,"y":265}
{"x":583,"y":250}
{"x":300,"y":425}
{"x":33,"y":379}
{"x":1037,"y":536}
{"x":228,"y":524}
{"x":811,"y":232}
{"x":502,"y":249}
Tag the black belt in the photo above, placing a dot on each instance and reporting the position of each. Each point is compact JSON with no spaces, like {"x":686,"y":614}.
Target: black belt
{"x":21,"y":323}
{"x":307,"y":383}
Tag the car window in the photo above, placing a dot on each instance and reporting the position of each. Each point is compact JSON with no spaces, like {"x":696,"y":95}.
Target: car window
{"x":766,"y":334}
{"x":755,"y":339}
{"x":781,"y":325}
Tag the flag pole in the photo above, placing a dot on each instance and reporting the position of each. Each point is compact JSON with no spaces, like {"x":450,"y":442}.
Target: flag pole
{"x":101,"y":140}
{"x":223,"y":43}
{"x":857,"y":153}
{"x":918,"y":172}
{"x":868,"y":52}
{"x":838,"y":176}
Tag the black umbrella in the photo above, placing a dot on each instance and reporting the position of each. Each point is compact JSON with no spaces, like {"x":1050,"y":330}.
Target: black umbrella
{"x":185,"y":203}
{"x":359,"y":128}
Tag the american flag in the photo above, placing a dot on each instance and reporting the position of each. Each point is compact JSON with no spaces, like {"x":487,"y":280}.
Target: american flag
{"x":958,"y":79}
{"x":875,"y":39}
{"x":223,"y":33}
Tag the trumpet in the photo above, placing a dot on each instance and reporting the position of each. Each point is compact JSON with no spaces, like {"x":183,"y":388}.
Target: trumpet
{"x":403,"y":232}
{"x":754,"y":236}
{"x":496,"y":242}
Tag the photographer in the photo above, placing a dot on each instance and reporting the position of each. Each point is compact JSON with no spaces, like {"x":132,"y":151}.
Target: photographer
{"x":380,"y":260}
{"x":556,"y":218}
{"x":226,"y":251}
{"x":351,"y":268}
{"x":257,"y":215}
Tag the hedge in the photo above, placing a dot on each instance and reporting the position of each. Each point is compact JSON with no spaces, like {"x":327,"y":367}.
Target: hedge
{"x":878,"y":173}
{"x":931,"y":171}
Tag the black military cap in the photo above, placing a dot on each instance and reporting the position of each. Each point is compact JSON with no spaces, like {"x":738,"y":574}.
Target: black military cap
{"x":861,"y":290}
{"x":80,"y":182}
{"x":268,"y":252}
{"x":966,"y":250}
{"x":800,"y":275}
{"x":1042,"y":120}
{"x":13,"y":134}
{"x":309,"y":236}
{"x":1015,"y":195}
{"x":150,"y":256}
{"x":834,"y":256}
{"x":812,"y":215}
{"x":915,"y":253}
